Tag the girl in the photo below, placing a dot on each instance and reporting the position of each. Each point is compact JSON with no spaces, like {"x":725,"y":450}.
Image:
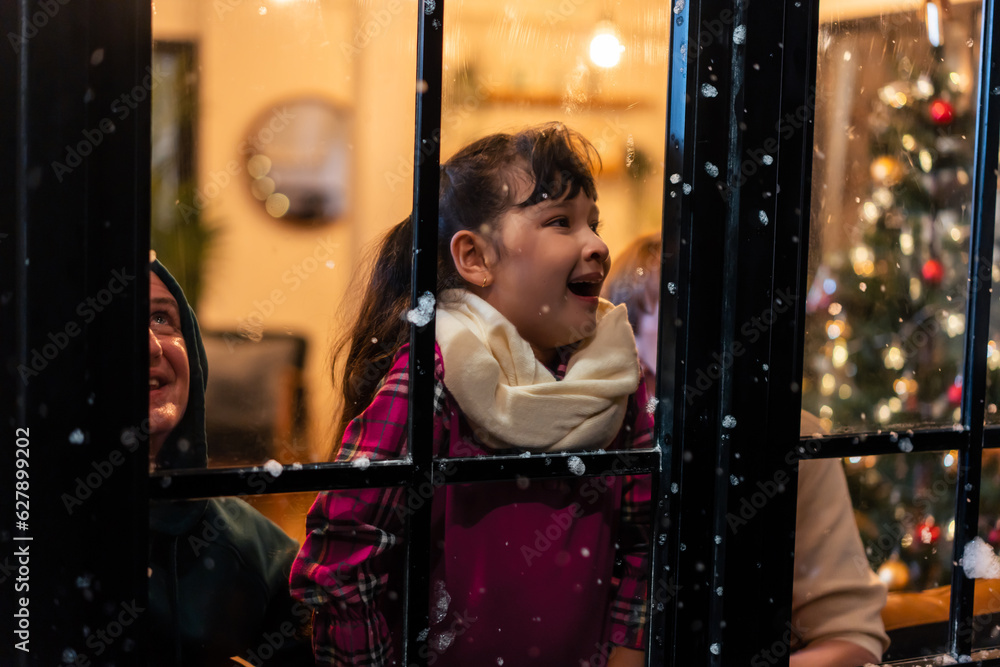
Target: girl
{"x":528,"y":359}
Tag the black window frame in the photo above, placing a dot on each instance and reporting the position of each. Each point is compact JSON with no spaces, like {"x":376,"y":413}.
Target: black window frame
{"x":68,"y":233}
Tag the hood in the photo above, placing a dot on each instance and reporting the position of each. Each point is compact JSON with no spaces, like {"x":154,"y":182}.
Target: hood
{"x":186,"y":447}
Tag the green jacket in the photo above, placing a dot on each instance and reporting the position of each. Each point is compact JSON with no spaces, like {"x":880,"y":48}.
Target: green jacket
{"x":218,"y":569}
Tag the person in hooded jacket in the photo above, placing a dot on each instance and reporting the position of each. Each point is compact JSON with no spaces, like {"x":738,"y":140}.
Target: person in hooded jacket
{"x":218,"y":569}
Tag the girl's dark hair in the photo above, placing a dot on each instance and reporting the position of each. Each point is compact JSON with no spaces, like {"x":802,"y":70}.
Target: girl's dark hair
{"x":478,"y":185}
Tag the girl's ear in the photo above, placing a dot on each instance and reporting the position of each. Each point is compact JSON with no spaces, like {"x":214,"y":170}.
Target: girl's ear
{"x":472,"y":256}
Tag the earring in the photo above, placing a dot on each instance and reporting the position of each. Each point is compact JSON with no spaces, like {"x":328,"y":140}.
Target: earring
{"x":484,"y":282}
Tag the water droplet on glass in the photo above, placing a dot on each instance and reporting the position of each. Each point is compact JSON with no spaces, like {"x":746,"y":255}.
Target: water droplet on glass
{"x":442,"y":641}
{"x":674,"y":488}
{"x":715,"y":648}
{"x":718,"y":591}
{"x":68,"y":656}
{"x":905,"y":445}
{"x":734,"y":480}
{"x":76,"y":437}
{"x":422,"y":314}
{"x":440,"y":602}
{"x":763,"y":218}
{"x":718,"y":539}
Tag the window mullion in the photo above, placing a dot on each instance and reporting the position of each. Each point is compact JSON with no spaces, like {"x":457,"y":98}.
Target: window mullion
{"x":983,"y":201}
{"x":426,"y":176}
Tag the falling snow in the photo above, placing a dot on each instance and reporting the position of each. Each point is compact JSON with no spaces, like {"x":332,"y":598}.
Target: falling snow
{"x":273,"y":468}
{"x":576,"y":466}
{"x":711,"y":169}
{"x":361,"y":463}
{"x":739,"y":34}
{"x":980,"y":561}
{"x":708,"y":90}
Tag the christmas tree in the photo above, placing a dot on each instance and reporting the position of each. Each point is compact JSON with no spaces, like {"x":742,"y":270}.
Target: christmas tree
{"x":886,"y":312}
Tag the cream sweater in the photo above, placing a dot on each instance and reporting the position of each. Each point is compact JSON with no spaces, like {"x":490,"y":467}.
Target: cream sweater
{"x":835,"y":594}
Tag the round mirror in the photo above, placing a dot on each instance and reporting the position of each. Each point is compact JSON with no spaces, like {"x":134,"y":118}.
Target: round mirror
{"x":298,"y":161}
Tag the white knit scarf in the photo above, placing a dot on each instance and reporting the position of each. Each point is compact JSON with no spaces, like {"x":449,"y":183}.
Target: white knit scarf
{"x":513,"y":400}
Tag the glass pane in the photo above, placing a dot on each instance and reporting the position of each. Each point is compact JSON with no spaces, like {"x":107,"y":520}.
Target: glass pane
{"x":895,"y":109}
{"x":599,"y":70}
{"x":533,"y":572}
{"x":904,"y":506}
{"x":267,"y":192}
{"x":993,"y":354}
{"x":986,"y":624}
{"x":218,"y":581}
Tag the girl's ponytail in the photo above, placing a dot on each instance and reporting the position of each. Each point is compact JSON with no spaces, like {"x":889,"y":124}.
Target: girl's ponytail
{"x":380,"y":327}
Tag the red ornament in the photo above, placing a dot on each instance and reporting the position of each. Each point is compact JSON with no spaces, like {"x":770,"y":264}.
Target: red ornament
{"x":933,"y":272}
{"x":955,"y":393}
{"x":927,"y":532}
{"x":942,"y":112}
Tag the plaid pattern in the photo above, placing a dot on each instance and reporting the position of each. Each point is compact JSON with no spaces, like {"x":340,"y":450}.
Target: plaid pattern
{"x":342,"y":568}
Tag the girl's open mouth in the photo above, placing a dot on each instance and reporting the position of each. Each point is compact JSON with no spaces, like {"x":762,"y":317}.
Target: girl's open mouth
{"x":587,"y":286}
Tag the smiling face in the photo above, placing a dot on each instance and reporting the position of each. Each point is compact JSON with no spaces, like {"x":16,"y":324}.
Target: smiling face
{"x":169,"y":374}
{"x":548,"y":277}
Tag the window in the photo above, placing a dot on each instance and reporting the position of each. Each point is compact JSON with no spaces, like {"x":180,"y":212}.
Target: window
{"x":734,"y":122}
